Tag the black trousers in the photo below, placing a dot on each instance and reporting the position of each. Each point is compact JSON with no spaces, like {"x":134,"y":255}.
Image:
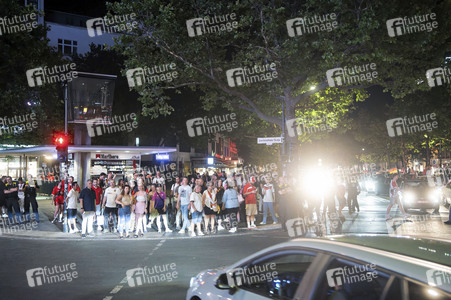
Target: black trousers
{"x":34,"y":204}
{"x":13,"y":203}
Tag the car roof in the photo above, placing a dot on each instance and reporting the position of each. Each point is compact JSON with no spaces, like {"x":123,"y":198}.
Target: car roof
{"x":410,"y":256}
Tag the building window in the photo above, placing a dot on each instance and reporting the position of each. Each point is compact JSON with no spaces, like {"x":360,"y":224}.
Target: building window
{"x":67,"y":47}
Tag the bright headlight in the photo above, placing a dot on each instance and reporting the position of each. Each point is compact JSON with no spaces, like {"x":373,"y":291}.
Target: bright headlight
{"x":370,"y":184}
{"x":434,"y":196}
{"x":409,"y":197}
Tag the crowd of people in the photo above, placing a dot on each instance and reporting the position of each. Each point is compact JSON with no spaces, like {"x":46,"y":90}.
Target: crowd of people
{"x":199,"y":204}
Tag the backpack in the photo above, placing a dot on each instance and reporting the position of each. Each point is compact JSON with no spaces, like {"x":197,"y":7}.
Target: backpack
{"x":159,"y":202}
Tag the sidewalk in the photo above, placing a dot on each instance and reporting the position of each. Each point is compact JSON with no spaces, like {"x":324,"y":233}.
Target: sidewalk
{"x":47,"y":230}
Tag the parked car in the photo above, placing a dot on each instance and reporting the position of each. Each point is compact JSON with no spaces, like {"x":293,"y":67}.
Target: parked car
{"x":419,"y":194}
{"x":446,"y":195}
{"x":383,"y":267}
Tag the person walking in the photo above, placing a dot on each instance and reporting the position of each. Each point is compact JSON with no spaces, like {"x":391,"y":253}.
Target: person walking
{"x":140,"y":209}
{"x":31,"y":187}
{"x":353,"y":192}
{"x":159,"y":198}
{"x":231,"y":205}
{"x":125,"y":211}
{"x":196,"y":210}
{"x":21,"y":194}
{"x":250,"y":194}
{"x":152,"y":213}
{"x":183,"y":203}
{"x":109,"y":205}
{"x":219,"y":194}
{"x":340,"y":192}
{"x":88,"y":208}
{"x":210,"y":207}
{"x":268,"y":202}
{"x":58,"y":201}
{"x":99,"y":195}
{"x":71,"y":200}
{"x":12,"y":200}
{"x":394,"y":198}
{"x":174,"y":195}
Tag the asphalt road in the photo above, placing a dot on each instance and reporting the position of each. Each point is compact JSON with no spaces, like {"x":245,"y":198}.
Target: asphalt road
{"x":101,"y":263}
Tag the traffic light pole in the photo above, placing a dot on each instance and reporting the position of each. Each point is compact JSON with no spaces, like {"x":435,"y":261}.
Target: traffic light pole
{"x":64,"y":164}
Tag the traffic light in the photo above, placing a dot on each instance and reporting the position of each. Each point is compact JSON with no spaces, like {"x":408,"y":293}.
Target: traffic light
{"x":61,"y":141}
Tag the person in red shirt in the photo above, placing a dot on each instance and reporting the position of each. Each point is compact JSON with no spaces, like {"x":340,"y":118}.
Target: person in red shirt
{"x":99,"y":199}
{"x":58,"y":201}
{"x":250,"y":194}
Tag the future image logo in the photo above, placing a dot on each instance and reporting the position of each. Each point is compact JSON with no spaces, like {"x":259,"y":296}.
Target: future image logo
{"x":438,"y":76}
{"x":313,"y":24}
{"x":149,"y":275}
{"x":114,"y":24}
{"x":408,"y":125}
{"x":351,"y":75}
{"x":211,"y":24}
{"x":210,"y":125}
{"x":42,"y":75}
{"x":437,"y":278}
{"x":351,"y":274}
{"x":242,"y":76}
{"x":407,"y":25}
{"x":99,"y":126}
{"x":161,"y":73}
{"x":48,"y":275}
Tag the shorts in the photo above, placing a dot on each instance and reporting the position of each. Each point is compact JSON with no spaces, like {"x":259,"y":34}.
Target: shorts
{"x":59,"y":202}
{"x":196,"y":217}
{"x":71,"y":213}
{"x":251,"y":209}
{"x":394,"y":200}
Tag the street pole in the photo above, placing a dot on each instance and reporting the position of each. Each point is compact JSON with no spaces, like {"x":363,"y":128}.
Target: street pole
{"x":283,"y":139}
{"x":64,"y":164}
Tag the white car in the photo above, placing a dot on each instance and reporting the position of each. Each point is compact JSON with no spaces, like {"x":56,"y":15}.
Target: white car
{"x":337,"y":267}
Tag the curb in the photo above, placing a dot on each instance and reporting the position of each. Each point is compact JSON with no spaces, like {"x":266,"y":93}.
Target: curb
{"x":147,"y":236}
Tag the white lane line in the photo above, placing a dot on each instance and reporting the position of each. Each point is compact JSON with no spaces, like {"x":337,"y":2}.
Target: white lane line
{"x":116,"y":289}
{"x":124,"y":280}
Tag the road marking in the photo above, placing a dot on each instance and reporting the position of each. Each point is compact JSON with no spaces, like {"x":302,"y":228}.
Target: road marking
{"x":124,"y":280}
{"x":116,"y":289}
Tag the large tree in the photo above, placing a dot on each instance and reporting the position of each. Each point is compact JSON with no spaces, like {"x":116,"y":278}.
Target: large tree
{"x":21,"y":51}
{"x":301,"y":62}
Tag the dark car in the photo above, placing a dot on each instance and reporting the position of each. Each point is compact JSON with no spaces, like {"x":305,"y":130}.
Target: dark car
{"x":419,"y":194}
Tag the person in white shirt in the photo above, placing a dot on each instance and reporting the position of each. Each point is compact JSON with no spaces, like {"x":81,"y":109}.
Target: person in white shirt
{"x":71,"y":200}
{"x":210,"y":207}
{"x":174,"y":195}
{"x":268,"y":200}
{"x":196,"y":210}
{"x":109,"y":204}
{"x":159,"y":180}
{"x":183,"y":202}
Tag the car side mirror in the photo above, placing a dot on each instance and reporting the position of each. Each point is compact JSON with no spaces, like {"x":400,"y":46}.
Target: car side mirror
{"x":222,"y":283}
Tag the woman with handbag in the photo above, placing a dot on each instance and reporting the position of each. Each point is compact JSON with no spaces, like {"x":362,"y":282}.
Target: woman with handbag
{"x":140,"y":204}
{"x":124,"y":200}
{"x":159,"y":198}
{"x":211,"y":207}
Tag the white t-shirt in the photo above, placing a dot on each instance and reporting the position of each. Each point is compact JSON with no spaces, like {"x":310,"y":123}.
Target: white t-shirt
{"x":72,"y":199}
{"x":184,"y":192}
{"x":197,"y":199}
{"x":111,"y":195}
{"x":269,"y":190}
{"x":174,"y":188}
{"x":158,"y":181}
